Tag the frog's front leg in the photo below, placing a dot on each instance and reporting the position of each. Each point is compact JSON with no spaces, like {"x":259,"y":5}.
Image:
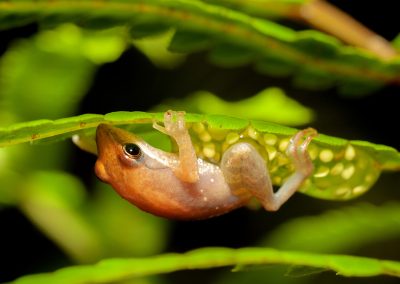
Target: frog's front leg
{"x":174,"y":125}
{"x":245,"y":170}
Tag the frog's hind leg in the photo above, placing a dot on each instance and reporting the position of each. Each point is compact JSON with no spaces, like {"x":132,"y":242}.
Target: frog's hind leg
{"x":245,"y":171}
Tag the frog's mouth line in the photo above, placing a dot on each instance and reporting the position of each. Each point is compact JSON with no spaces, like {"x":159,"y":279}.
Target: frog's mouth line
{"x":108,"y":137}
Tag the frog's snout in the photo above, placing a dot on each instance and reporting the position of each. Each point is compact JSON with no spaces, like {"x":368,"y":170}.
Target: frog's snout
{"x":100,"y":171}
{"x":102,"y":134}
{"x":103,"y":140}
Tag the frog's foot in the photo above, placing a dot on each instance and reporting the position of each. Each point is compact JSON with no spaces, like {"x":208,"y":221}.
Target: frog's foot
{"x":245,"y":168}
{"x":174,"y":124}
{"x":297,"y":151}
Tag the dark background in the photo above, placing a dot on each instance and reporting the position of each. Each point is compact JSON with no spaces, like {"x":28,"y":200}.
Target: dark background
{"x":374,"y":118}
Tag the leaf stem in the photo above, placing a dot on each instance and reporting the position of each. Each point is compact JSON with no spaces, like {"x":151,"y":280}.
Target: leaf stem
{"x":327,"y":17}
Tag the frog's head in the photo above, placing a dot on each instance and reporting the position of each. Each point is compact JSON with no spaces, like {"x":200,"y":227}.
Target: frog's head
{"x":117,"y":149}
{"x":137,"y":171}
{"x":124,"y":159}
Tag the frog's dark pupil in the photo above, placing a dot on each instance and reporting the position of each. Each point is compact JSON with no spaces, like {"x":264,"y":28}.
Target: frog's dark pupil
{"x":132,"y":150}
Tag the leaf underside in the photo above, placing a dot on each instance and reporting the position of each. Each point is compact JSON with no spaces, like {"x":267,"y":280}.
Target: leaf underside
{"x":112,"y":270}
{"x":316,"y":60}
{"x":48,"y":130}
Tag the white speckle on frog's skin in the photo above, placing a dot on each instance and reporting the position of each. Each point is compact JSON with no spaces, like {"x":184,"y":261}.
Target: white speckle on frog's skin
{"x":326,"y":155}
{"x":205,"y":199}
{"x":212,"y":180}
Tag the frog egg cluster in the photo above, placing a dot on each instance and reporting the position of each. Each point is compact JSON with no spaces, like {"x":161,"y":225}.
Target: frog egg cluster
{"x":210,"y":143}
{"x":344,"y":173}
{"x":341,"y":173}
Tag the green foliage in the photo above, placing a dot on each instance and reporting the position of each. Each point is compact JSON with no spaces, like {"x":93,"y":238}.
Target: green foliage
{"x":59,"y":64}
{"x":316,"y":60}
{"x":341,"y":230}
{"x":48,"y":75}
{"x":387,"y":157}
{"x":120,"y":269}
{"x":52,"y":198}
{"x":269,"y":105}
{"x":265,"y":8}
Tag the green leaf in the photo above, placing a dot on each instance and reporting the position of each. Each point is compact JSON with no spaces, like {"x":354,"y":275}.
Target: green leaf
{"x":156,"y":49}
{"x":200,"y":25}
{"x":301,"y":271}
{"x":396,"y":42}
{"x":112,"y":270}
{"x":57,"y":64}
{"x":185,"y":41}
{"x":51,"y":198}
{"x":231,"y":56}
{"x":9,"y":181}
{"x":343,"y":169}
{"x":40,"y":129}
{"x":270,"y":104}
{"x":123,"y":227}
{"x":349,"y":228}
{"x":264,"y":8}
{"x":314,"y":79}
{"x":276,"y":66}
{"x":140,"y":30}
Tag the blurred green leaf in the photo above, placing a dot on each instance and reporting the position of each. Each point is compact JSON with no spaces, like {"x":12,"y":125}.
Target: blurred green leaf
{"x":112,"y":270}
{"x":230,"y":56}
{"x":270,"y":105}
{"x":301,"y":271}
{"x":156,"y":49}
{"x":185,"y":41}
{"x":205,"y":25}
{"x":48,"y":74}
{"x":88,"y":230}
{"x":396,"y":42}
{"x":9,"y":181}
{"x":274,"y":273}
{"x":51,"y":200}
{"x":123,"y":227}
{"x":338,"y":231}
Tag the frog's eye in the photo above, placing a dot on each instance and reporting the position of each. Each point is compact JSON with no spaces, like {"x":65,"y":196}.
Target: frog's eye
{"x":132,"y":150}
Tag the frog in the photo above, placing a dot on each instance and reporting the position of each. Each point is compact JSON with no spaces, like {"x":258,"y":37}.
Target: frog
{"x":184,"y":186}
